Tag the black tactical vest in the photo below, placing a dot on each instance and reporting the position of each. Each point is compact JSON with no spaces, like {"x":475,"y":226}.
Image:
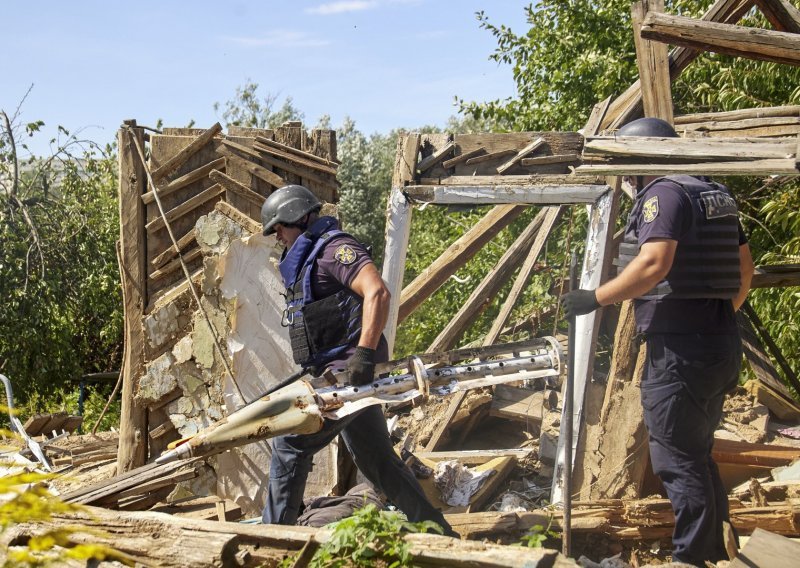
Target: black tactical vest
{"x":706,"y":263}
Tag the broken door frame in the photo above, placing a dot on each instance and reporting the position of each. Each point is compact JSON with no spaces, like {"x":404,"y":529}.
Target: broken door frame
{"x":599,"y":199}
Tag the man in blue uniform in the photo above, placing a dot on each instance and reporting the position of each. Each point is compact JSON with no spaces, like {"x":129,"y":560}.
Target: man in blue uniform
{"x":337,"y":307}
{"x":688,"y":268}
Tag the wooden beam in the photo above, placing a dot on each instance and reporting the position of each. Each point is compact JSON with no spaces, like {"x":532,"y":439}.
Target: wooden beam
{"x":456,"y":256}
{"x":240,"y":189}
{"x":185,"y":207}
{"x":736,"y":115}
{"x":488,"y":288}
{"x":253,"y":169}
{"x":133,"y":272}
{"x":776,"y":352}
{"x":474,"y":457}
{"x":174,"y":265}
{"x":554,"y":159}
{"x":242,"y":219}
{"x":398,"y":228}
{"x":653,"y":62}
{"x":307,"y":155}
{"x":436,"y":157}
{"x":447,"y":164}
{"x":550,"y":216}
{"x":749,"y":168}
{"x":183,"y":156}
{"x":627,"y":106}
{"x":168,"y":254}
{"x":498,"y":194}
{"x":752,"y":43}
{"x":306,"y":174}
{"x":687,"y":148}
{"x":490,"y":156}
{"x":595,"y":118}
{"x":776,"y":276}
{"x":184,"y":180}
{"x":781,"y":14}
{"x":521,"y":154}
{"x":547,"y":180}
{"x":294,"y":158}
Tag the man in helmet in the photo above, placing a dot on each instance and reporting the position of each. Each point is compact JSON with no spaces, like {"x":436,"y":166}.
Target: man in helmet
{"x":336,"y":308}
{"x":687,"y":265}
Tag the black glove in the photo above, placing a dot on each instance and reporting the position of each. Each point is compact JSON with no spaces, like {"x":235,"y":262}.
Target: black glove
{"x":579,"y":302}
{"x":362,"y":366}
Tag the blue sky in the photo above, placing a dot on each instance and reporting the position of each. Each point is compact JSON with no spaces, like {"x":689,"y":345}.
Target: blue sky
{"x":384,"y":63}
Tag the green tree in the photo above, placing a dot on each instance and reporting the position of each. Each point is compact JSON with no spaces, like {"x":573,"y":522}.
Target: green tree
{"x":578,"y":52}
{"x":247,"y":109}
{"x":61,"y":314}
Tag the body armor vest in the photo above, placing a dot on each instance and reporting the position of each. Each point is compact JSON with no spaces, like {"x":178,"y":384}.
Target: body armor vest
{"x":320,"y":330}
{"x":706,"y":263}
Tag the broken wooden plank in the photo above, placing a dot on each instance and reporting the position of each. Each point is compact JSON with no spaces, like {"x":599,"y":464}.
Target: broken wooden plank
{"x":763,"y":123}
{"x":264,"y":141}
{"x":183,"y":156}
{"x":473,"y":457}
{"x":776,"y":352}
{"x":741,"y":41}
{"x":254,"y":169}
{"x":427,"y":163}
{"x":736,"y":115}
{"x":455,"y":256}
{"x":751,"y":167}
{"x":767,"y":550}
{"x":776,"y":276}
{"x":170,"y":253}
{"x":763,"y":455}
{"x":512,"y":194}
{"x":242,"y":219}
{"x":511,"y":180}
{"x":551,"y":215}
{"x":490,"y":156}
{"x":554,"y":159}
{"x":520,"y":154}
{"x":239,"y":189}
{"x":699,"y":148}
{"x":174,"y":265}
{"x":777,"y":403}
{"x":183,"y":181}
{"x":595,"y":118}
{"x":652,"y":60}
{"x":447,"y":164}
{"x":522,"y":404}
{"x":188,"y":205}
{"x":294,"y":158}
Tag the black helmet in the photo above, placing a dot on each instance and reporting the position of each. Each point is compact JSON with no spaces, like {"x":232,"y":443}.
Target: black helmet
{"x":648,"y":127}
{"x":287,"y":206}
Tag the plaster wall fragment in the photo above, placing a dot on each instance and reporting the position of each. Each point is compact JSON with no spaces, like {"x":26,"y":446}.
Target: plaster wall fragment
{"x":158,"y":381}
{"x":162,"y":325}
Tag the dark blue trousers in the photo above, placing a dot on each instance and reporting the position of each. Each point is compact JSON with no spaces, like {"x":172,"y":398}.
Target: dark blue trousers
{"x":367,"y":439}
{"x":684,"y":386}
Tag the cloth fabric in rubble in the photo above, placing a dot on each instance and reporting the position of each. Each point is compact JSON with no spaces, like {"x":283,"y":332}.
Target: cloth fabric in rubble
{"x":459,"y":483}
{"x":321,"y":511}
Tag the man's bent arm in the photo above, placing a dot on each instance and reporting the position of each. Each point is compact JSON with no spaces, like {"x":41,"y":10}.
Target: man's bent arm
{"x":746,"y":269}
{"x":375,"y":309}
{"x":646,"y":270}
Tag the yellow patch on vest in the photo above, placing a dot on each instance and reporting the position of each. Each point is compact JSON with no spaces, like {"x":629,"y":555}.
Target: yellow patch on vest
{"x":345,"y":254}
{"x":650,"y":209}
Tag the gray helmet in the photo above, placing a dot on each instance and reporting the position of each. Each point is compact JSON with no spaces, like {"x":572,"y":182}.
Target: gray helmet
{"x":648,"y":127}
{"x":287,"y":206}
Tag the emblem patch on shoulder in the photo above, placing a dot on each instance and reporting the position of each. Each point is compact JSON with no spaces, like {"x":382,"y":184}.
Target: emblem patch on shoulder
{"x":650,"y":209}
{"x":345,"y":254}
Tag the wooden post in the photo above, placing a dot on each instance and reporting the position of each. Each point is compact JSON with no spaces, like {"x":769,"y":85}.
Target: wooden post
{"x":398,"y":228}
{"x":781,"y":14}
{"x":653,"y":61}
{"x":132,"y":185}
